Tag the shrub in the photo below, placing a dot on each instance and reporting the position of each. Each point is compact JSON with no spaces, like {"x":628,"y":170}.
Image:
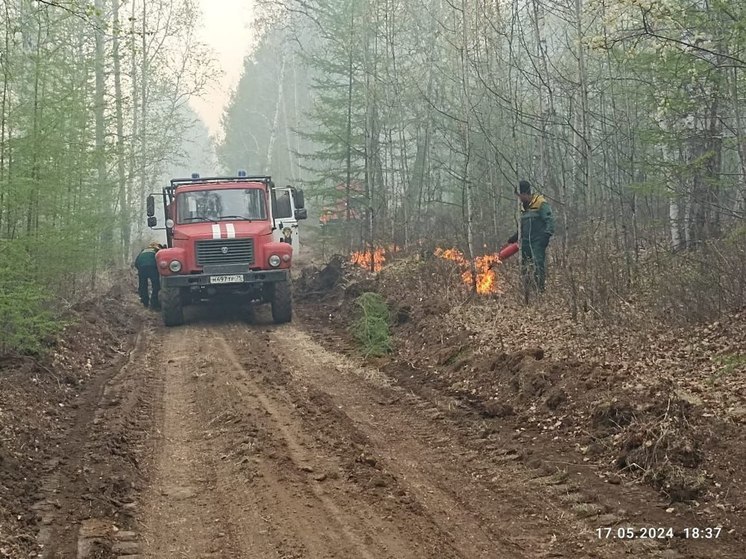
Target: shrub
{"x":371,"y":328}
{"x":702,"y":284}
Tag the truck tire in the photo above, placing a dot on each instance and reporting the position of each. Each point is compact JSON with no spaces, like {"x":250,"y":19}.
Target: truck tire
{"x":282,"y":302}
{"x":172,"y":308}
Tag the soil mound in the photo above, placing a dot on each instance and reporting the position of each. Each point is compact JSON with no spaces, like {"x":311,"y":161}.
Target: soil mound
{"x":39,"y":397}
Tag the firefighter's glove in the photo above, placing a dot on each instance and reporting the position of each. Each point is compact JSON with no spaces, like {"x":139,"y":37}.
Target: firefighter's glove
{"x":513,"y":238}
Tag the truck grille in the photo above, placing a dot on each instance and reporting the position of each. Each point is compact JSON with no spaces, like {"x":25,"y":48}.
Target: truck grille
{"x":225,"y":251}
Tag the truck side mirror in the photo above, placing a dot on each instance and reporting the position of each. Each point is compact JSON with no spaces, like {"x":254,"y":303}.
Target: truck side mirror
{"x":150,"y":207}
{"x":301,"y":214}
{"x":300,"y":201}
{"x":152,"y":221}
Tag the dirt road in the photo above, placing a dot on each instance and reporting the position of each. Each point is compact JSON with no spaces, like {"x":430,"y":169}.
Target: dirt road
{"x":234,"y":440}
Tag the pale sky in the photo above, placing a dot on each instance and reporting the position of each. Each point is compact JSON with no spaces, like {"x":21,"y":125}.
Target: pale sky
{"x":226,"y":30}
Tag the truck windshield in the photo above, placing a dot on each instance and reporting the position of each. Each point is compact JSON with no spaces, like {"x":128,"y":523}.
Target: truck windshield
{"x":221,"y":204}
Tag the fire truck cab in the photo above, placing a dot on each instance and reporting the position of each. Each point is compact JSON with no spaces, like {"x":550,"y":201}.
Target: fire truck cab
{"x":222,"y":244}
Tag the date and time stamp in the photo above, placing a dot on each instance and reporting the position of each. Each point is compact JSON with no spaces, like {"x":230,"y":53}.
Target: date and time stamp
{"x":658,"y":533}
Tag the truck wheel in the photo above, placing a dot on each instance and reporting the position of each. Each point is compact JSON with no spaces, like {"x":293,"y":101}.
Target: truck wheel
{"x":172,"y":309}
{"x":282,"y":302}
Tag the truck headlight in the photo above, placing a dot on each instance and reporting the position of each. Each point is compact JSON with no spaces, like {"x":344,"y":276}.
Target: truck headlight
{"x":274,"y":261}
{"x":175,"y":266}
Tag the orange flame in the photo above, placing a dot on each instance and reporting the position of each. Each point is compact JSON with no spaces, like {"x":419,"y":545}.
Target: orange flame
{"x":483,"y":265}
{"x":452,"y":254}
{"x":365,"y":258}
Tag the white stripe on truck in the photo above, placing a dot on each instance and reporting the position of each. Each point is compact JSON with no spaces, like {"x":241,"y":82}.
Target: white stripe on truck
{"x":216,"y":231}
{"x":230,"y":230}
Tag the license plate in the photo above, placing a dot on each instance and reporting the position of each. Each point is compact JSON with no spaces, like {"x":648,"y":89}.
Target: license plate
{"x":226,"y":279}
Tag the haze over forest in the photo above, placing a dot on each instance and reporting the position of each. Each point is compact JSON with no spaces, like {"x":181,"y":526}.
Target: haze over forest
{"x":419,"y":116}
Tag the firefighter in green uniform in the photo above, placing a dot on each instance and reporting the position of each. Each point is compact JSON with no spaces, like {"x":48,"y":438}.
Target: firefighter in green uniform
{"x":147,"y":270}
{"x":537,"y":227}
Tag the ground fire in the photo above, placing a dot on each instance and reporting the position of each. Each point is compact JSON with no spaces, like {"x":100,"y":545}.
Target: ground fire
{"x":486,"y":278}
{"x":370,"y":260}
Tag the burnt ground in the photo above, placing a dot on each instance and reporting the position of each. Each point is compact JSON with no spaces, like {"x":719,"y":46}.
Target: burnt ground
{"x":233,"y":437}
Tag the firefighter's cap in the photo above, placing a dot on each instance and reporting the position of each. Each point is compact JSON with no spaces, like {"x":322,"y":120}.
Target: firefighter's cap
{"x":524,"y":187}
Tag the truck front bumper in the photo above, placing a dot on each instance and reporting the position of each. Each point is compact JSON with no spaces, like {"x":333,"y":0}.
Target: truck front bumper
{"x":214,"y":280}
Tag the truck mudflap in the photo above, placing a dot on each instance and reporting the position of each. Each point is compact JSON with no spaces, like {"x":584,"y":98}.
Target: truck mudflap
{"x":244,"y":278}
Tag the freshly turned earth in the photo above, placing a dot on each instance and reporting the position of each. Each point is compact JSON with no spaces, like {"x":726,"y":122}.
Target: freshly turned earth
{"x":232,"y":437}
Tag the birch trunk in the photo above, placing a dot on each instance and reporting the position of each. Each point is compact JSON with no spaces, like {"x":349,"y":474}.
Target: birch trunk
{"x":124,"y":214}
{"x":276,"y":118}
{"x":144,"y":76}
{"x":4,"y":118}
{"x":466,"y":116}
{"x":584,"y":128}
{"x":100,"y":118}
{"x":740,"y":141}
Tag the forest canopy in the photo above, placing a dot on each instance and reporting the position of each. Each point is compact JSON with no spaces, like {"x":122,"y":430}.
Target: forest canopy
{"x":92,"y":110}
{"x":626,"y":116}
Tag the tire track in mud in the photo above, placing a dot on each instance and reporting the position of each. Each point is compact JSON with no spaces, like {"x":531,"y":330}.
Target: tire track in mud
{"x":237,"y":476}
{"x":189,"y":509}
{"x":254,"y":441}
{"x":263,"y":444}
{"x":299,"y":456}
{"x":87,"y":501}
{"x":578,"y":494}
{"x":274,"y":447}
{"x":478,"y":499}
{"x":405,"y":438}
{"x":309,"y":493}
